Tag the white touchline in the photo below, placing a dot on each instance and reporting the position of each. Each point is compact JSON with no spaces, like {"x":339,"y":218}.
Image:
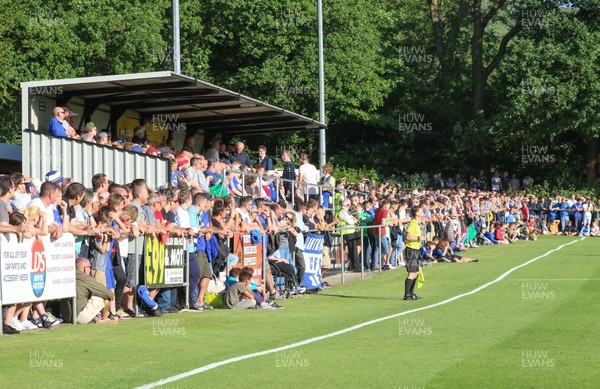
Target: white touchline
{"x":553,"y":279}
{"x":344,"y":331}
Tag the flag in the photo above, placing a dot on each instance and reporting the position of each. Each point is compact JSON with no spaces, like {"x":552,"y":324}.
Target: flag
{"x":420,"y":278}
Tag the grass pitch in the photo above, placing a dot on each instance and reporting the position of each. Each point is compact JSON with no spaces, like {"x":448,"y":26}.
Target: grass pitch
{"x":535,"y":328}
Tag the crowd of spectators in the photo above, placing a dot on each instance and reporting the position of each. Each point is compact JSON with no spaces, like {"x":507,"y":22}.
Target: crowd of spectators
{"x":213,"y":195}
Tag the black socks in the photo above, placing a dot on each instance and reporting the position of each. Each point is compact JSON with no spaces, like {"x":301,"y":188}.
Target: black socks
{"x":409,"y":285}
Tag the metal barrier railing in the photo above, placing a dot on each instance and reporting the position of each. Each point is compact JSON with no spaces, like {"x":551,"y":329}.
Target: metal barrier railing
{"x":306,"y":195}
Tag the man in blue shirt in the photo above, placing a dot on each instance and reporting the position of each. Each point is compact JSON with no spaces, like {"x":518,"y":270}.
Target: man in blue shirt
{"x":55,"y":127}
{"x":240,"y":155}
{"x":564,"y":214}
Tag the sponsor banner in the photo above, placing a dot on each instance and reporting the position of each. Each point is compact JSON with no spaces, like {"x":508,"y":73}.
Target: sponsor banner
{"x":37,"y":269}
{"x":165,"y":263}
{"x":250,"y":254}
{"x":313,"y":260}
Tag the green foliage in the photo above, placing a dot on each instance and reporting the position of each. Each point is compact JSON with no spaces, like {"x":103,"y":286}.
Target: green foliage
{"x":268,"y":50}
{"x":354,"y":175}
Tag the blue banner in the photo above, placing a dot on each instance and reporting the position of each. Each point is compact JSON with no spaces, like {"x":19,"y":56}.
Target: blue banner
{"x":313,"y":259}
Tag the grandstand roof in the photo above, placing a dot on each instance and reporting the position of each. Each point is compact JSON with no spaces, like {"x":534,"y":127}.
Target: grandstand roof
{"x":198,"y":104}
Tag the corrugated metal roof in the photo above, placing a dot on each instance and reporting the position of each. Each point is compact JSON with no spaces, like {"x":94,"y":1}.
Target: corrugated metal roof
{"x":197,"y":104}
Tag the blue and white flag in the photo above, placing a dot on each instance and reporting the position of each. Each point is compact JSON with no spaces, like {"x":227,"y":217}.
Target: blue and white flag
{"x":313,"y":260}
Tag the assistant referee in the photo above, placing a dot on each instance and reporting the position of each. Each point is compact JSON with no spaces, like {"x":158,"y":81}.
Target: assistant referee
{"x":413,"y":244}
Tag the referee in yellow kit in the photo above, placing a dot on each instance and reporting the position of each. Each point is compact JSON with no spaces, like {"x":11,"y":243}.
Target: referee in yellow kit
{"x":413,"y":244}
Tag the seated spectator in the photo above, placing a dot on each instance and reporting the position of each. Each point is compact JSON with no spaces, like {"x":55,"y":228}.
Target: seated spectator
{"x":499,"y":234}
{"x":102,"y":138}
{"x":594,"y":230}
{"x":92,"y":297}
{"x":260,"y":293}
{"x":585,"y":230}
{"x":88,"y":134}
{"x":139,"y":136}
{"x":448,"y":254}
{"x":55,"y":126}
{"x":233,"y":277}
{"x":239,"y":296}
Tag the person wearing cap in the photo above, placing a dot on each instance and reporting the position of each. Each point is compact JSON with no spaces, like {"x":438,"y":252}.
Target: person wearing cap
{"x":54,"y":177}
{"x":89,"y":133}
{"x":153,"y":151}
{"x":182,"y":164}
{"x":102,"y":138}
{"x":67,"y":123}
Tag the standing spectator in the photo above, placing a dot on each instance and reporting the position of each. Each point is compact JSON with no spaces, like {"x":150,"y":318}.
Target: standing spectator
{"x":188,"y":144}
{"x":527,"y":182}
{"x":289,"y":173}
{"x":328,"y":182}
{"x":350,"y":235}
{"x":578,"y":215}
{"x":308,"y":174}
{"x":515,"y":183}
{"x":496,"y":182}
{"x":505,"y":182}
{"x":588,"y":207}
{"x":482,"y":179}
{"x":213,"y":151}
{"x":196,"y":175}
{"x":240,"y":155}
{"x":223,"y":153}
{"x":263,"y":159}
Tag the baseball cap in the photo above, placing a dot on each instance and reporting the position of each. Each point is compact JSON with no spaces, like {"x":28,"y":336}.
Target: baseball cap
{"x":90,"y":126}
{"x":102,"y":134}
{"x":54,"y":176}
{"x":182,"y":160}
{"x":137,"y":149}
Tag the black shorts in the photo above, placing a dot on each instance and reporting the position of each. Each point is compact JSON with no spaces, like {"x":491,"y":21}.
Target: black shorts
{"x":411,"y":258}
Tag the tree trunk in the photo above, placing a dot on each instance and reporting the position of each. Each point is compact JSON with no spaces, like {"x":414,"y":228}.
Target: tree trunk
{"x":591,"y":158}
{"x":479,"y":78}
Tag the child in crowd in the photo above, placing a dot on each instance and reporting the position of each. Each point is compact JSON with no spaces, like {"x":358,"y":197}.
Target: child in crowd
{"x":239,"y":295}
{"x":595,"y":231}
{"x":233,"y":277}
{"x":426,"y":254}
{"x":448,"y":255}
{"x":499,"y":234}
{"x":585,"y":230}
{"x":260,"y":293}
